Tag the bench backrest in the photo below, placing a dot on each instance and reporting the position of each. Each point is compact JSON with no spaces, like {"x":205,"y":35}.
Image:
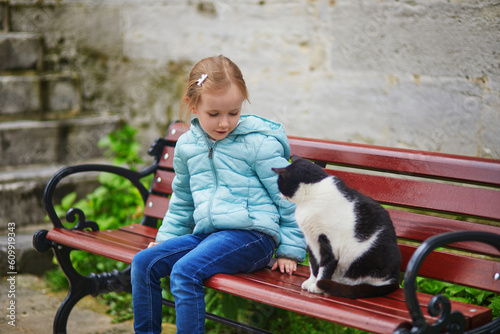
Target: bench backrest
{"x":426,"y":194}
{"x":161,"y":188}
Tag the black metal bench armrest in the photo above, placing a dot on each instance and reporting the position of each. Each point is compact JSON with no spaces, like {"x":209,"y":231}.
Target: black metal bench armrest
{"x":133,"y":176}
{"x":439,"y":305}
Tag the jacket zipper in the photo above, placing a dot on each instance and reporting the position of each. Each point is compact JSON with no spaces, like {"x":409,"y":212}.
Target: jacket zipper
{"x":211,"y":147}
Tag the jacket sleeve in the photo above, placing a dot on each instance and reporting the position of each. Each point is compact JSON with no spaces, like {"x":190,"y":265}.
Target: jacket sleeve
{"x":179,"y":218}
{"x":271,"y":155}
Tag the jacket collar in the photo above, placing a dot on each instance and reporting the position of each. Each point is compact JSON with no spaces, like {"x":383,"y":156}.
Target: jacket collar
{"x":249,"y":124}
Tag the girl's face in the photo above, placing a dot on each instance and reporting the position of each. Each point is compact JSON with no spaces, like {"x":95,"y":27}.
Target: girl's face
{"x":219,"y":113}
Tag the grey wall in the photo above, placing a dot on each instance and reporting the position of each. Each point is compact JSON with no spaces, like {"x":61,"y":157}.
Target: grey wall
{"x":418,"y":74}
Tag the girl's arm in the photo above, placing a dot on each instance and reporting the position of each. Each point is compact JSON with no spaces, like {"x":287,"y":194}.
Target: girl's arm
{"x":271,"y":154}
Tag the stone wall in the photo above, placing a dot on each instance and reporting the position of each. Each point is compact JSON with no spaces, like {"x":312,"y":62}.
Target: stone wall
{"x":418,"y":74}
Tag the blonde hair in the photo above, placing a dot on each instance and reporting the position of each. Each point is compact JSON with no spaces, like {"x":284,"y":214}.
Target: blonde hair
{"x":221,"y":74}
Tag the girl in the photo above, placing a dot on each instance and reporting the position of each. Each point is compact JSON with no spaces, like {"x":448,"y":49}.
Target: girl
{"x":226,"y":214}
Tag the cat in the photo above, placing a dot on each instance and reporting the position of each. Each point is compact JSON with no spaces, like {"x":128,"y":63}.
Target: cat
{"x":352,"y":244}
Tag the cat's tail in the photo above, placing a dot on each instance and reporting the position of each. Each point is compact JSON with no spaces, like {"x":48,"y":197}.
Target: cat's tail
{"x":355,"y":291}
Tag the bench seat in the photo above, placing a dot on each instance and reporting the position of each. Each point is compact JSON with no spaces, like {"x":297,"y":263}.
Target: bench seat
{"x":380,"y":314}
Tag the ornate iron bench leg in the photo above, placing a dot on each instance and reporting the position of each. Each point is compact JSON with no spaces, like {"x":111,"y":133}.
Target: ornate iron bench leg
{"x":79,"y":285}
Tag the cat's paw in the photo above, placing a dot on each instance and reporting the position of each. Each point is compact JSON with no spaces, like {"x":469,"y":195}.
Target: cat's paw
{"x":314,"y":289}
{"x":310,"y":281}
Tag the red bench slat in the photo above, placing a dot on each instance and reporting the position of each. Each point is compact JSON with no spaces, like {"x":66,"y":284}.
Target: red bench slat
{"x":420,"y":194}
{"x":419,"y":227}
{"x":413,"y":162}
{"x":140,"y":230}
{"x":460,"y":269}
{"x":162,"y":182}
{"x":156,"y":206}
{"x":167,"y":158}
{"x":88,"y":243}
{"x":120,"y":237}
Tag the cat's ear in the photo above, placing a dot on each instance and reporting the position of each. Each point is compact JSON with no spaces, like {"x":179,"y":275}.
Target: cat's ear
{"x":295,"y":158}
{"x":279,"y":171}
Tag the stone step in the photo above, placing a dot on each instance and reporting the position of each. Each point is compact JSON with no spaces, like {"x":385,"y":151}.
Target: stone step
{"x":20,"y":95}
{"x":61,"y":94}
{"x":4,"y":16}
{"x":21,"y":193}
{"x":32,"y":151}
{"x":20,"y":51}
{"x":68,"y":141}
{"x":39,"y":96}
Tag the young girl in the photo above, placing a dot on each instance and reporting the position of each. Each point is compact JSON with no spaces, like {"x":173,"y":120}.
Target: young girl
{"x":226,"y":214}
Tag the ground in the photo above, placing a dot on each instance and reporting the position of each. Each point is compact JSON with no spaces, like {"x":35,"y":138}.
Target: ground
{"x":36,"y":306}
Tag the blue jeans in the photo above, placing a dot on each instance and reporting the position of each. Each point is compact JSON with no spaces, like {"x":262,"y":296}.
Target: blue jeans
{"x":190,"y":259}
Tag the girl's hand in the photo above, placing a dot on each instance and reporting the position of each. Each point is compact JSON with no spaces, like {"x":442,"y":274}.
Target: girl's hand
{"x":151,"y":244}
{"x":285,"y":264}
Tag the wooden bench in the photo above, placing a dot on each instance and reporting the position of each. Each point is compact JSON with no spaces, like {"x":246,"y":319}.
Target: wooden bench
{"x":425,"y":192}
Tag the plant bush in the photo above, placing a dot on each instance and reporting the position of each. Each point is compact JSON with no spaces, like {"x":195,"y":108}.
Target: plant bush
{"x":114,"y":203}
{"x":460,"y":293}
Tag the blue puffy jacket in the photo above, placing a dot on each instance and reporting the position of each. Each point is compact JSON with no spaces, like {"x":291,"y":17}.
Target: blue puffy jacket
{"x":229,"y":184}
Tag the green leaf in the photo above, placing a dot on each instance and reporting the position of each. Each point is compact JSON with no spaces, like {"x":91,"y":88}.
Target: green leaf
{"x":482,"y":296}
{"x":495,"y":305}
{"x":230,"y":306}
{"x":68,"y":200}
{"x":461,"y":299}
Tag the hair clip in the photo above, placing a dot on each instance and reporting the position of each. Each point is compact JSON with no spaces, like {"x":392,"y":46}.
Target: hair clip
{"x":201,"y":79}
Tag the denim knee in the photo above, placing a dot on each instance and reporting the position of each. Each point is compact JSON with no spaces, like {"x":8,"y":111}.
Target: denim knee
{"x":139,"y":266}
{"x":183,"y":277}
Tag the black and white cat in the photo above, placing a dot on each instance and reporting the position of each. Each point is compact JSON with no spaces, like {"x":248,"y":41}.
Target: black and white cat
{"x":352,"y":245}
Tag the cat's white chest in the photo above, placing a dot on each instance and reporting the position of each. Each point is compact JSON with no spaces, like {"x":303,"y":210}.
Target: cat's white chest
{"x":323,"y":210}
